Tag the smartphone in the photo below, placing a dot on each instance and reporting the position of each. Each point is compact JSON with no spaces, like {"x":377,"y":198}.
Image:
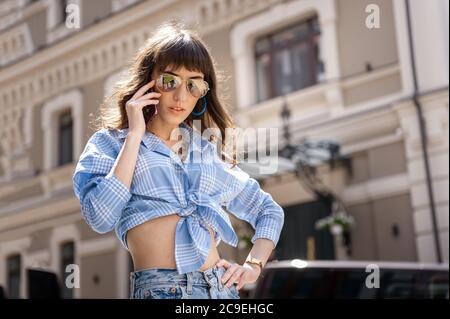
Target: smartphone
{"x":149,"y":111}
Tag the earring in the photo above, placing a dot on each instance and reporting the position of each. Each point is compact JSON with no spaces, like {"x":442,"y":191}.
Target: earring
{"x":204,"y":108}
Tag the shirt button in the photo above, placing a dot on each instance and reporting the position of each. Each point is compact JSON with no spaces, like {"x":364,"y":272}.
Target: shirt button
{"x":173,"y":290}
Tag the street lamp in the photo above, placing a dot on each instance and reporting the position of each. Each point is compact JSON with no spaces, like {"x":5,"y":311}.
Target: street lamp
{"x":306,"y":156}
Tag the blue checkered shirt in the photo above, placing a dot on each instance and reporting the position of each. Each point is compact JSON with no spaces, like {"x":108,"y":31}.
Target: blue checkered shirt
{"x":202,"y":189}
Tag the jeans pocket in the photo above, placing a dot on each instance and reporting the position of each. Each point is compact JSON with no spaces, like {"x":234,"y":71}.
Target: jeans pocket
{"x":173,"y":292}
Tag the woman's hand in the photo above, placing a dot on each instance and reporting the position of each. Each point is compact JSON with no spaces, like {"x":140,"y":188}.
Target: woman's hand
{"x":134,"y":106}
{"x":240,"y":274}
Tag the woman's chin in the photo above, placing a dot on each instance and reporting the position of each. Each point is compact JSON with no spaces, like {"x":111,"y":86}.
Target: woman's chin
{"x":172,"y":121}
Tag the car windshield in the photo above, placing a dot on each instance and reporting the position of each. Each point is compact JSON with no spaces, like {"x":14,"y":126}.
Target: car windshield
{"x":351,"y":283}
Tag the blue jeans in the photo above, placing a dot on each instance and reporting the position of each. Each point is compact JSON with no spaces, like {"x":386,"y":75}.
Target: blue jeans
{"x":160,"y":283}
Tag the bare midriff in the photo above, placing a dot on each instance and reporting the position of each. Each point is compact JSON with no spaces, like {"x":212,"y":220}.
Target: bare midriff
{"x":152,"y":244}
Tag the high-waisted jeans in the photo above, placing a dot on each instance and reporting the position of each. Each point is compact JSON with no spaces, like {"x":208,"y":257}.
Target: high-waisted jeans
{"x":160,"y":283}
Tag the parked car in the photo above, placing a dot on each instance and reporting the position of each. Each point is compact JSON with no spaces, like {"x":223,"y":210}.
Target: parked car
{"x":352,"y":280}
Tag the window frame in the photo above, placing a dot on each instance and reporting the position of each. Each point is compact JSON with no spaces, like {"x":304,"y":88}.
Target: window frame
{"x":289,"y":44}
{"x":244,"y":33}
{"x":72,"y":101}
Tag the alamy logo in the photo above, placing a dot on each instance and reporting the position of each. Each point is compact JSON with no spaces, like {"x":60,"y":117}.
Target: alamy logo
{"x":73,"y":16}
{"x":373,"y":17}
{"x":373,"y":279}
{"x":73,"y":277}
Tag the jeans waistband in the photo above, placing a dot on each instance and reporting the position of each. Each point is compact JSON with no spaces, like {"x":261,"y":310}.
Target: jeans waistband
{"x":162,"y":277}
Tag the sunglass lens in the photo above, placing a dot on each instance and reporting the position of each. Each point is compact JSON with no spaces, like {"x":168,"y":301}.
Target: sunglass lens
{"x":197,"y":88}
{"x":167,"y":83}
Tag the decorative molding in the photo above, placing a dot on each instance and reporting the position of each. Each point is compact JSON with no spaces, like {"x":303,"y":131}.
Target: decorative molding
{"x":385,"y":72}
{"x":36,"y":225}
{"x":10,"y":5}
{"x":15,"y":44}
{"x":372,"y":143}
{"x":90,"y":36}
{"x":111,"y":80}
{"x":37,"y":209}
{"x":216,"y":14}
{"x":72,"y":100}
{"x":12,"y":142}
{"x":95,"y":246}
{"x":118,"y":5}
{"x":38,"y":259}
{"x":20,"y":14}
{"x":376,"y":188}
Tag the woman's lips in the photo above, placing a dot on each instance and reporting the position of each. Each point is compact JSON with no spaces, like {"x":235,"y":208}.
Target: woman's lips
{"x":176,"y":109}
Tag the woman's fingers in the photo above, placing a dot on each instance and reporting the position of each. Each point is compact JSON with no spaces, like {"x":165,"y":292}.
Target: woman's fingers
{"x":143,"y":89}
{"x":223,"y":263}
{"x":144,"y":103}
{"x":241,"y":283}
{"x":235,"y":277}
{"x":149,"y":95}
{"x":227,"y":275}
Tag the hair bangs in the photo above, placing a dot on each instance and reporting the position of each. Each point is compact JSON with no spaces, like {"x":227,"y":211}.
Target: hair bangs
{"x":183,"y":51}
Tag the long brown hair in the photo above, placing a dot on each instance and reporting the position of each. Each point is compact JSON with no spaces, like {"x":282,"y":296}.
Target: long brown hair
{"x":170,"y":45}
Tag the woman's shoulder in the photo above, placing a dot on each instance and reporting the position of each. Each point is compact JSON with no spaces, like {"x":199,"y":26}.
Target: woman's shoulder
{"x":108,"y":134}
{"x":105,"y":140}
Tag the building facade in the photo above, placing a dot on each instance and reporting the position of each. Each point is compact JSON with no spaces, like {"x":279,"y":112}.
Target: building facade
{"x":341,"y":78}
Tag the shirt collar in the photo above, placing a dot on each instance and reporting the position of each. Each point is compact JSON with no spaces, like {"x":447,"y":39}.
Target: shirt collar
{"x":154,"y":143}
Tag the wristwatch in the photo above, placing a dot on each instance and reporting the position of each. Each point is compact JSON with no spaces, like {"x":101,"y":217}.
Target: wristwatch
{"x":254,"y":261}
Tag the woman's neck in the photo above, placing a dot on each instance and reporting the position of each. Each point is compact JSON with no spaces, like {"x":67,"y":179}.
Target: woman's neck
{"x":161,"y":130}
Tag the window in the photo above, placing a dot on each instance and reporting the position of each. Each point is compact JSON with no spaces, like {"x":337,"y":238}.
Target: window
{"x":58,"y":125}
{"x":288,"y":60}
{"x":67,"y":258}
{"x":350,"y":283}
{"x":65,"y":146}
{"x":13,"y":266}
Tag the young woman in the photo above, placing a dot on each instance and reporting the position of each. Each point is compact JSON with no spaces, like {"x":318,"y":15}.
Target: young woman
{"x":167,"y":207}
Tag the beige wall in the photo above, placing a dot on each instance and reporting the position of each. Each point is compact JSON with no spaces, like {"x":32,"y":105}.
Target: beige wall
{"x":40,"y":239}
{"x":37,"y":145}
{"x":103,"y":267}
{"x":95,"y":10}
{"x":378,"y":162}
{"x":363,"y":234}
{"x":373,"y":89}
{"x":387,"y":160}
{"x":32,"y":189}
{"x":389,"y":212}
{"x":358,"y":44}
{"x":38,"y":27}
{"x":86,"y":232}
{"x":372,"y":236}
{"x":92,"y":98}
{"x":219,"y":44}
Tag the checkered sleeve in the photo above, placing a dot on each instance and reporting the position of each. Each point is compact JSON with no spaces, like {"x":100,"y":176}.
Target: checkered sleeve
{"x":102,"y":195}
{"x":258,"y":208}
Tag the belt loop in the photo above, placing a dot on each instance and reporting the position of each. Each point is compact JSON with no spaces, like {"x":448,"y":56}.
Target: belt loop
{"x":132,"y":283}
{"x":216,"y":271}
{"x":189,"y":282}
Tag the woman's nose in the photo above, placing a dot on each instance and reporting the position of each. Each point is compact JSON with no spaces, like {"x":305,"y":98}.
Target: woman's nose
{"x":181,"y":93}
